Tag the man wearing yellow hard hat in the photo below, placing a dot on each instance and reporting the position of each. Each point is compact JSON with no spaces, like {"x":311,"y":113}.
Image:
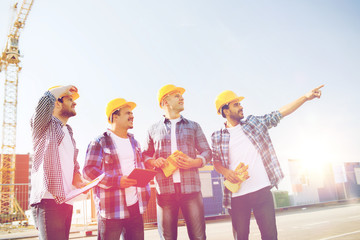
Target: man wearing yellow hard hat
{"x":247,"y":142}
{"x":55,"y":169}
{"x":120,"y":204}
{"x":174,"y":134}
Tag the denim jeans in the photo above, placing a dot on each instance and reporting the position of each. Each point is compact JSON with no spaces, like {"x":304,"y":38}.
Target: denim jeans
{"x":192,"y":208}
{"x":52,"y":220}
{"x":262,"y":204}
{"x":131,"y":228}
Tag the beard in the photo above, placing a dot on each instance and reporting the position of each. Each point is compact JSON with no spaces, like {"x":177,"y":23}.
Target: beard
{"x":67,"y":113}
{"x":236,"y":116}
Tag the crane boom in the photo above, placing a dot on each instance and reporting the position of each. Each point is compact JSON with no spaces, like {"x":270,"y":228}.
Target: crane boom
{"x":9,"y":62}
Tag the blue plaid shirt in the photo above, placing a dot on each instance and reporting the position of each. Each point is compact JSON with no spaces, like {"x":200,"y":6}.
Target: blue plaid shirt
{"x":110,"y":199}
{"x":190,"y":140}
{"x":256,"y":128}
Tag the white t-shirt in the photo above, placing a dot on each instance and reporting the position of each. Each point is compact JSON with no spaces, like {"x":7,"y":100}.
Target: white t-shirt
{"x":127,"y":162}
{"x":241,"y":149}
{"x":176,"y":174}
{"x":66,"y":154}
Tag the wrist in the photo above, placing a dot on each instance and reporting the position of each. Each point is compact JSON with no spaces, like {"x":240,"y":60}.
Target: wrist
{"x":198,"y":162}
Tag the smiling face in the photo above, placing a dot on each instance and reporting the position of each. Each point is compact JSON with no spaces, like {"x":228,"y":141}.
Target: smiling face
{"x":124,"y":118}
{"x":174,"y":102}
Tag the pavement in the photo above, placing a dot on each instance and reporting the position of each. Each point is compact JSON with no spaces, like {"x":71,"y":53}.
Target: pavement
{"x":338,"y":220}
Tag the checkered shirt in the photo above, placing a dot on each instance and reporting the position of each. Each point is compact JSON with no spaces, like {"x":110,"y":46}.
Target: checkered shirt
{"x":47,"y":135}
{"x":256,"y":128}
{"x":110,"y":199}
{"x":190,"y":140}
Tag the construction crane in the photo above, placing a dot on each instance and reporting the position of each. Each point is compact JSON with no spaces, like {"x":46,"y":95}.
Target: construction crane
{"x":10,"y":64}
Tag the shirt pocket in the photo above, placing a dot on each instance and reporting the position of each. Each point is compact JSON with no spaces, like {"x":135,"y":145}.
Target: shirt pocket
{"x":187,"y":137}
{"x":108,"y":162}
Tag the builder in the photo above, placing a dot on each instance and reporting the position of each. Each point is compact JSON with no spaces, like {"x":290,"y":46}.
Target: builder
{"x":120,"y":204}
{"x":55,"y":169}
{"x":248,"y":142}
{"x":181,"y":189}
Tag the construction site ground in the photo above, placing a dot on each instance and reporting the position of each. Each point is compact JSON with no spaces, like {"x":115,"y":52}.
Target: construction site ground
{"x":334,"y":220}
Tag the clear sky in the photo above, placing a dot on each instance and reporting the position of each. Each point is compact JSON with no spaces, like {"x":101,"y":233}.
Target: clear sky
{"x":271,"y":52}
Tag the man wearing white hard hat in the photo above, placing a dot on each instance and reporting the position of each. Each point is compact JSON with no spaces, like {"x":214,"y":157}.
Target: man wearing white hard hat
{"x":120,"y":204}
{"x":55,"y":169}
{"x":247,"y":142}
{"x":181,"y":189}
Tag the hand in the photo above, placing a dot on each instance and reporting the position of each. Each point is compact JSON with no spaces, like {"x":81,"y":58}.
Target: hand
{"x":126,"y":182}
{"x":60,"y":92}
{"x":185,"y":162}
{"x":232,"y":176}
{"x":158,"y":163}
{"x":79,"y":181}
{"x":315,"y":93}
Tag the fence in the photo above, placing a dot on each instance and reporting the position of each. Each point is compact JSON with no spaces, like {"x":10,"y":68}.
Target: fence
{"x":18,"y":204}
{"x":212,"y":190}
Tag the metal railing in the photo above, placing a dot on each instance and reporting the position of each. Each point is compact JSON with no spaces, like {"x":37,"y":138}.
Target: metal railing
{"x":19,"y":204}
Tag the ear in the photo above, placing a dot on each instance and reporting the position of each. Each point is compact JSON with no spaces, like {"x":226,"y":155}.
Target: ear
{"x":58,"y":105}
{"x":114,"y":116}
{"x":226,"y":112}
{"x":163,"y":103}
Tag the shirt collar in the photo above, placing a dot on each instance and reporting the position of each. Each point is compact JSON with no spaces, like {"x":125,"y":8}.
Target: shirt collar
{"x":224,"y":128}
{"x":109,"y":132}
{"x":59,"y":121}
{"x":166,"y":120}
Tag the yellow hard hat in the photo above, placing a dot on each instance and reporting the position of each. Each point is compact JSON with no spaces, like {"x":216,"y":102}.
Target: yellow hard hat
{"x":224,"y":98}
{"x":74,"y":95}
{"x":165,"y":90}
{"x":116,"y":104}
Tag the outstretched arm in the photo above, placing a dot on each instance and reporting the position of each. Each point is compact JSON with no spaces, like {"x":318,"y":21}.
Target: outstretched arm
{"x":291,"y":107}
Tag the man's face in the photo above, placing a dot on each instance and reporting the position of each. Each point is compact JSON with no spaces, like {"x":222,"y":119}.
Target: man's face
{"x":125,"y":119}
{"x":68,"y":107}
{"x":175,"y":101}
{"x":235,"y":111}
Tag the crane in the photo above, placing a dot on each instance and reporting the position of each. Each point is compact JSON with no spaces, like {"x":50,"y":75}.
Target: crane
{"x":10,"y":64}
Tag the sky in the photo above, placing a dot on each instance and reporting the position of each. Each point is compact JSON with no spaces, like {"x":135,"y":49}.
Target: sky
{"x":270,"y":52}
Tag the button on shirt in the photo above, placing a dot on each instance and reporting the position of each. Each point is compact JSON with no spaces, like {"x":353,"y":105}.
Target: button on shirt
{"x":47,"y":134}
{"x":242,"y":150}
{"x":256,"y":129}
{"x":127,"y":163}
{"x":190,"y":140}
{"x":102,"y":157}
{"x":176,"y":174}
{"x":66,"y":154}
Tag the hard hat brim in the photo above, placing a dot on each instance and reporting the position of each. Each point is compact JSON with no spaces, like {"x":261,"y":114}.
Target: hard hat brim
{"x":239,"y":99}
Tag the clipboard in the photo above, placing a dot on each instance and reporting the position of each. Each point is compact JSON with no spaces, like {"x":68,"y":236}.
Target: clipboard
{"x":76,"y":192}
{"x":143,"y":176}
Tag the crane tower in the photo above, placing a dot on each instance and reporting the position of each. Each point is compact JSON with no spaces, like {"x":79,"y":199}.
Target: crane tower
{"x":9,"y":63}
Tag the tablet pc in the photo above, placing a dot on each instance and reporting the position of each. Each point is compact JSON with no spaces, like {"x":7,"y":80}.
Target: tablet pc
{"x":143,"y":176}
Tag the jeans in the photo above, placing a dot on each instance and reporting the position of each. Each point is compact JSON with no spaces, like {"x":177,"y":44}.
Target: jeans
{"x":52,"y":220}
{"x":131,"y":228}
{"x":192,"y":208}
{"x":262,"y":204}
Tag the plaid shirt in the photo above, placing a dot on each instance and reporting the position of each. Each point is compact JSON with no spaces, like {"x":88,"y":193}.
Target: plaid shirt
{"x":256,"y":128}
{"x":47,"y":134}
{"x":190,"y":140}
{"x":110,"y":199}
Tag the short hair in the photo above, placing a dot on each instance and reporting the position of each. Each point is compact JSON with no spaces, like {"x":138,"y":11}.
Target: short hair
{"x":226,"y":106}
{"x":116,"y":112}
